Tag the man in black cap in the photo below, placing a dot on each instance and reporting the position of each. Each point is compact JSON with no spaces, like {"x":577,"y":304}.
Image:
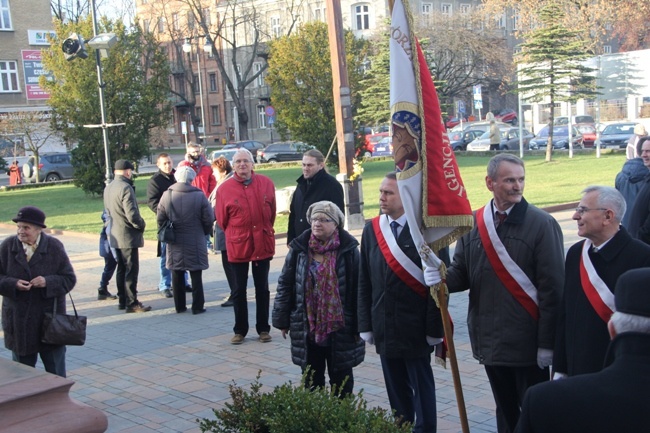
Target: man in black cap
{"x":614,"y":399}
{"x":126,"y":228}
{"x":35,"y":273}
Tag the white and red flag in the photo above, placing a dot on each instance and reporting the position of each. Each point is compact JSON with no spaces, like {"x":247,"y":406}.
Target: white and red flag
{"x":432,"y":191}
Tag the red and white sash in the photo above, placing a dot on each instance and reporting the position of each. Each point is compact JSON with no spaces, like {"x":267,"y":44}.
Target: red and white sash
{"x":509,"y":273}
{"x":599,"y":295}
{"x":407,"y":271}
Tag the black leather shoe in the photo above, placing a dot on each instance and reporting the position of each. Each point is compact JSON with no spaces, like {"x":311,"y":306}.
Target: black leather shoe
{"x":188,"y":289}
{"x":228,"y":303}
{"x":121,"y":307}
{"x":167,"y":293}
{"x":201,"y":311}
{"x":104,"y":294}
{"x":137,"y":308}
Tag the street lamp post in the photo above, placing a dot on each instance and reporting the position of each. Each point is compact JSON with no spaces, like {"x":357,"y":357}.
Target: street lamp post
{"x":207,"y":47}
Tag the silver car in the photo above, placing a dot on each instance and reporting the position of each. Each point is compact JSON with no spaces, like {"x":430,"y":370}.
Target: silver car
{"x":51,"y":168}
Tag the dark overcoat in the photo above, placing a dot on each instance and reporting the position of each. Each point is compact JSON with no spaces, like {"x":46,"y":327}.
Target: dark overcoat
{"x":612,"y":400}
{"x":582,"y":336}
{"x":290,"y":312}
{"x":23,"y":311}
{"x":126,"y":223}
{"x":193,"y":218}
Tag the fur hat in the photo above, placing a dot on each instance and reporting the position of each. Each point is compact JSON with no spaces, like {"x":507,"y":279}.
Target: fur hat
{"x":185,"y":174}
{"x":328,"y":208}
{"x":123,"y":164}
{"x":31,"y":215}
{"x":632,"y":294}
{"x":639,"y":129}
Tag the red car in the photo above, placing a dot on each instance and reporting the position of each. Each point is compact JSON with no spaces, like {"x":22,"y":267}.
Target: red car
{"x":507,"y":116}
{"x":588,"y":132}
{"x":371,"y":139}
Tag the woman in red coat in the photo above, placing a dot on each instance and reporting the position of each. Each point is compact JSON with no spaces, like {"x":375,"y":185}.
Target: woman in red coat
{"x":15,"y":178}
{"x":246,"y":211}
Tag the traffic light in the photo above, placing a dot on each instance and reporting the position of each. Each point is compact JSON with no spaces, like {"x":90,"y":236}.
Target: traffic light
{"x":73,"y":47}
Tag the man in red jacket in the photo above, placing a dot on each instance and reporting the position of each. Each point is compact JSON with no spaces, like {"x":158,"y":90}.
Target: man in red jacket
{"x":246,"y":212}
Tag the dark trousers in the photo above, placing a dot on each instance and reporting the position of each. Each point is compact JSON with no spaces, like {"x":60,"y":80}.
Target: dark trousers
{"x":509,"y":384}
{"x":178,"y":287}
{"x":262,"y":296}
{"x":411,"y":391}
{"x":494,"y":146}
{"x":109,"y":269}
{"x":320,"y":357}
{"x":53,"y":360}
{"x":128,"y":268}
{"x":227,"y":269}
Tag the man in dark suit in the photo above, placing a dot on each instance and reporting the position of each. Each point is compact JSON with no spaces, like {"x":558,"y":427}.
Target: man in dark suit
{"x":592,"y":267}
{"x":614,"y":399}
{"x":397,"y":313}
{"x":315,"y":184}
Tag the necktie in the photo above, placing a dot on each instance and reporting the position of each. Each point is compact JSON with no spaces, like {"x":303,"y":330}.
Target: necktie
{"x":393,"y":227}
{"x":501,"y":217}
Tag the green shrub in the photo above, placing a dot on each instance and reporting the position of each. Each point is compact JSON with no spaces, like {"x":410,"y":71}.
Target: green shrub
{"x":295,"y":409}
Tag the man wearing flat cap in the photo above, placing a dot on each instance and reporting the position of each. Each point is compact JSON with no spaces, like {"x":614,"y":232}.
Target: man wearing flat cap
{"x":126,"y":235}
{"x":614,"y":399}
{"x":35,"y":273}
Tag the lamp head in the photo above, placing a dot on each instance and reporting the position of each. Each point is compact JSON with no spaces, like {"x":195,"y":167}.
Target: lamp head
{"x":187,"y":47}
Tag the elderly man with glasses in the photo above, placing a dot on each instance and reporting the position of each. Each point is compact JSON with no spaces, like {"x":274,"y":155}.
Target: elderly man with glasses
{"x":592,"y":268}
{"x":245,"y":210}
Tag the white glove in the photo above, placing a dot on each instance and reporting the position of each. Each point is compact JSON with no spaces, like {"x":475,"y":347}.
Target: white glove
{"x":432,"y":341}
{"x":431,"y":276}
{"x":368,"y":337}
{"x":544,"y":357}
{"x":558,"y":376}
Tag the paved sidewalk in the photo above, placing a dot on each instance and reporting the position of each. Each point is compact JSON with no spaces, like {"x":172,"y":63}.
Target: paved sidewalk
{"x":160,"y":371}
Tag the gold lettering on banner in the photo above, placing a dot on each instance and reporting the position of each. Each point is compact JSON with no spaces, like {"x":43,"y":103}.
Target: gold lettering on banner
{"x":448,"y":168}
{"x":402,"y":39}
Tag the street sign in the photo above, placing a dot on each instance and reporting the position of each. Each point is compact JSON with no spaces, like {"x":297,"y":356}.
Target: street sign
{"x":477,"y":92}
{"x":271,"y":120}
{"x":461,"y":107}
{"x":478,"y":104}
{"x":270,"y":111}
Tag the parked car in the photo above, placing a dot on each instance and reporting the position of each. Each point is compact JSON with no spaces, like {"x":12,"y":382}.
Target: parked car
{"x":582,"y":118}
{"x":384,"y":147}
{"x":588,"y":132}
{"x":456,"y":132}
{"x":483,"y":142}
{"x":507,"y":116}
{"x":227,"y":153}
{"x":616,"y":134}
{"x":465,"y":139}
{"x":453,"y":121}
{"x":560,"y":138}
{"x":252,"y":145}
{"x":510,"y":138}
{"x":51,"y":167}
{"x":283,"y":151}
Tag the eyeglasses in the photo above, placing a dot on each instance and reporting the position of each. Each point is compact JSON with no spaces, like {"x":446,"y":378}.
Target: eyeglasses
{"x":580,"y":210}
{"x":321,"y":220}
{"x":243,"y":161}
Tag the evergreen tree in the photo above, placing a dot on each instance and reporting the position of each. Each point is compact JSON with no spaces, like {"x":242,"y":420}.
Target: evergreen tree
{"x":374,"y":108}
{"x":136,"y":89}
{"x":551,"y":65}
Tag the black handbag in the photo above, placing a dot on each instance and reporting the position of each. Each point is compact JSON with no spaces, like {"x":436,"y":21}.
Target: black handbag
{"x":63,"y":329}
{"x":166,"y":231}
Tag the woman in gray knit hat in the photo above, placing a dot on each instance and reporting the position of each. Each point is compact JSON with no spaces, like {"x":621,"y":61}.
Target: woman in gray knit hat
{"x":316,"y":300}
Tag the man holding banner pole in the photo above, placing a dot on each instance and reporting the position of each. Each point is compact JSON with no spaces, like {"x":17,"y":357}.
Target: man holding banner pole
{"x":512,"y":263}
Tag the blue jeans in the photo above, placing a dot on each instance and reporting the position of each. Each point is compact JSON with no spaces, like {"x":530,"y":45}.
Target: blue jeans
{"x":53,"y":359}
{"x":165,"y":274}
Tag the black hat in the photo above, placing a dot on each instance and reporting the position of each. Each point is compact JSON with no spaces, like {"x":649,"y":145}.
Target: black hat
{"x":123,"y":164}
{"x":31,"y":215}
{"x":632,"y":295}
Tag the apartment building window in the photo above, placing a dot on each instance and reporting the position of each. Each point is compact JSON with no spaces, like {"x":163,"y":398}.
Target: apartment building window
{"x":607,"y":49}
{"x":427,"y":8}
{"x":5,"y":15}
{"x":446,"y":8}
{"x":362,"y":17}
{"x":161,"y":25}
{"x":206,"y":17}
{"x":276,"y":28}
{"x":515,"y":21}
{"x":146,"y":25}
{"x":261,"y":116}
{"x":465,"y":8}
{"x":502,"y":22}
{"x":320,"y":14}
{"x":8,"y":76}
{"x":190,"y":20}
{"x":198,"y":114}
{"x":176,"y":25}
{"x":195,"y":83}
{"x":215,"y":114}
{"x":213,"y":82}
{"x":259,"y":81}
{"x":237,"y":74}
